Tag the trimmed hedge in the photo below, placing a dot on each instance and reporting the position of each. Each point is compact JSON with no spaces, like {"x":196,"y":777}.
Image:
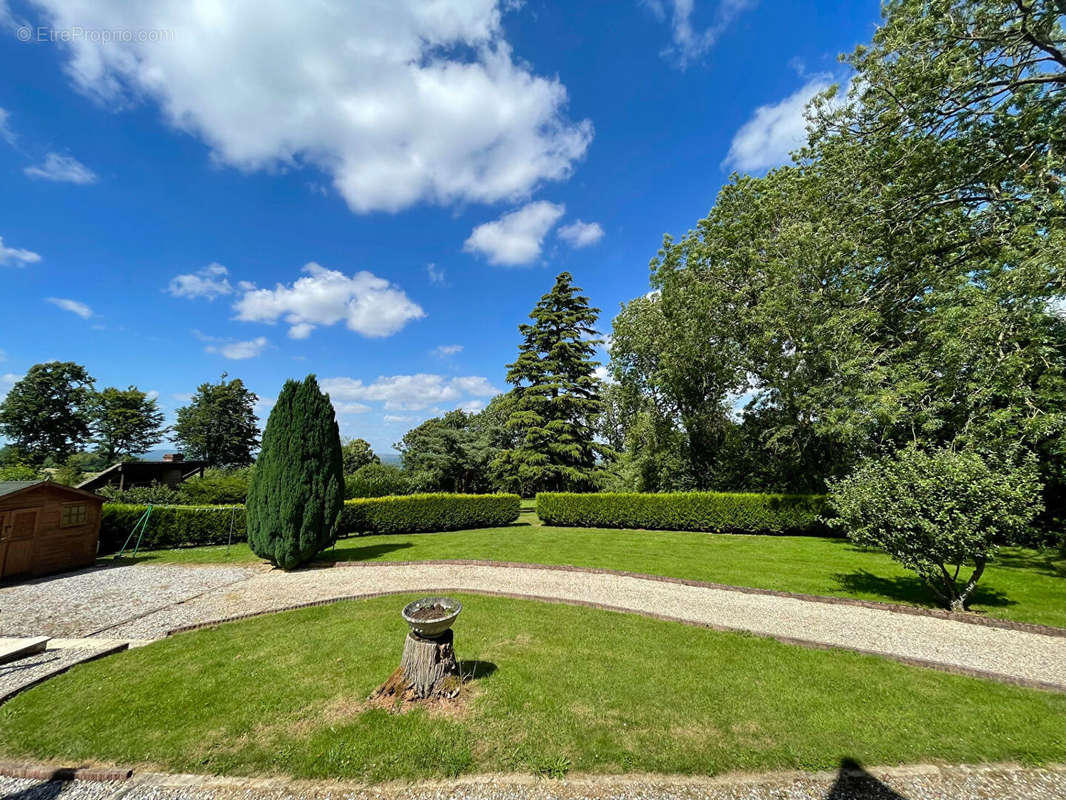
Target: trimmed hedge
{"x":190,"y":526}
{"x":720,"y":512}
{"x":171,"y":526}
{"x":419,"y":513}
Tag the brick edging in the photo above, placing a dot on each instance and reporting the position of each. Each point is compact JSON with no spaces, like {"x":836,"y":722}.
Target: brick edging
{"x":967,"y":617}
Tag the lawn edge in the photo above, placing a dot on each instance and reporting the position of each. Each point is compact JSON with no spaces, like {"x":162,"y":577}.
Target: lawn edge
{"x":970,"y":618}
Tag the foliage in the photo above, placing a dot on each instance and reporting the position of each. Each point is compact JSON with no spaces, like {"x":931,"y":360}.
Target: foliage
{"x":296,"y":491}
{"x":47,"y":411}
{"x":125,"y":422}
{"x":556,"y":397}
{"x":77,"y":467}
{"x":356,"y":453}
{"x":217,"y":487}
{"x":937,"y":512}
{"x":171,"y":525}
{"x":892,"y":286}
{"x":219,"y":426}
{"x":448,"y":454}
{"x":376,"y":480}
{"x":19,"y":472}
{"x":419,"y":513}
{"x":685,"y":511}
{"x":154,"y":493}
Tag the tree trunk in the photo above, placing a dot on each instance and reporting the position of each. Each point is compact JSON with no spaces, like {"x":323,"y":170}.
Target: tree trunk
{"x":427,"y":669}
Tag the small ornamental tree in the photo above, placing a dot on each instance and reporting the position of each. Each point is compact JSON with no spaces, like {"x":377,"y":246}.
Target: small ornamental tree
{"x":297,"y":490}
{"x":937,"y":513}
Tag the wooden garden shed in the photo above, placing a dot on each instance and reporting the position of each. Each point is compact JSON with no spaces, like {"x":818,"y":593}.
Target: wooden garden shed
{"x":46,"y":527}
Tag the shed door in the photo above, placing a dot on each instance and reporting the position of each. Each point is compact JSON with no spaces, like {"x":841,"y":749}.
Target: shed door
{"x":17,"y":528}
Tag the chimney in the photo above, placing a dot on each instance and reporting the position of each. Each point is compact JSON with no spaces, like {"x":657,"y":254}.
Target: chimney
{"x":173,"y":457}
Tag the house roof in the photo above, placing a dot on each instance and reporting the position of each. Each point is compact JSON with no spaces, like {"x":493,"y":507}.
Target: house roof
{"x":14,"y":487}
{"x":141,"y":471}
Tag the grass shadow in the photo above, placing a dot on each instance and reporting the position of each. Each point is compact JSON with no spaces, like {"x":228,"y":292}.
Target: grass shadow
{"x":473,"y":670}
{"x":364,"y":553}
{"x":911,"y":590}
{"x":1049,"y":562}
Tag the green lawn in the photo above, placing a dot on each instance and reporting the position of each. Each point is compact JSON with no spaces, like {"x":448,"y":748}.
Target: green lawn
{"x":1025,"y":585}
{"x":557,"y":688}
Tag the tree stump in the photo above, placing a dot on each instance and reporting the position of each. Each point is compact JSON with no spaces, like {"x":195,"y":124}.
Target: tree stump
{"x":427,"y":669}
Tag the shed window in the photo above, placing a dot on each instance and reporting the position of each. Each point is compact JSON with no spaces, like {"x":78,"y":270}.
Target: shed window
{"x":74,"y":514}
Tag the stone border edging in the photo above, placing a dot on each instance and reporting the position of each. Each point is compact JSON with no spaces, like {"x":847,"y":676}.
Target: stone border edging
{"x":578,"y":785}
{"x":909,"y":661}
{"x":918,"y":611}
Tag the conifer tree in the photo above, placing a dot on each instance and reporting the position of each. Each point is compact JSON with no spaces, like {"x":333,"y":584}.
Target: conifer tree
{"x":297,"y":490}
{"x":556,"y":397}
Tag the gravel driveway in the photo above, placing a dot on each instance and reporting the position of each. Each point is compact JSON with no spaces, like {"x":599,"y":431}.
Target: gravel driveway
{"x":147,"y":602}
{"x":89,"y":601}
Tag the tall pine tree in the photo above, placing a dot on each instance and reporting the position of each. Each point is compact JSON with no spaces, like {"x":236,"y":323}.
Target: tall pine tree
{"x":556,"y":397}
{"x":297,"y":489}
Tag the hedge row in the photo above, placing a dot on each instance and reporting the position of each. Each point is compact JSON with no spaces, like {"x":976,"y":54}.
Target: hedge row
{"x":418,"y":513}
{"x":171,"y":526}
{"x":686,"y":511}
{"x":190,"y":526}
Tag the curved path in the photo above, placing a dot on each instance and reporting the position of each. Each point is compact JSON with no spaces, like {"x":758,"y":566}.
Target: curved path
{"x":1019,"y":656}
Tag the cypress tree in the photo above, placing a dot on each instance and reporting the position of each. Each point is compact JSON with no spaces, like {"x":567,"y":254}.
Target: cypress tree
{"x":297,"y":489}
{"x":556,"y":397}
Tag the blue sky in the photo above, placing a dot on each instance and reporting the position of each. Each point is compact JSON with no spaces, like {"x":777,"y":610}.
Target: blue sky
{"x":376,"y":192}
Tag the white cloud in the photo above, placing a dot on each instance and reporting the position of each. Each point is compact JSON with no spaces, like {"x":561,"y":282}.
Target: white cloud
{"x":515,"y":238}
{"x":239,"y":351}
{"x":436,"y":275}
{"x":408,"y":392}
{"x":774,"y":131}
{"x":351,"y":408}
{"x":472,"y":406}
{"x":398,"y":102}
{"x":688,"y":42}
{"x":64,"y":169}
{"x":73,"y":306}
{"x":399,"y":418}
{"x":14,"y":257}
{"x":445,"y":350}
{"x":366,"y":303}
{"x":581,"y":234}
{"x":209,"y":282}
{"x":7,"y":380}
{"x":6,"y":133}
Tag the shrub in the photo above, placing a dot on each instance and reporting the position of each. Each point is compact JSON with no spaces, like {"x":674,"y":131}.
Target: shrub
{"x":296,"y":493}
{"x":376,"y":480}
{"x":171,"y":526}
{"x":217,"y":487}
{"x":154,"y":493}
{"x":937,"y":512}
{"x":685,"y":511}
{"x":419,"y":513}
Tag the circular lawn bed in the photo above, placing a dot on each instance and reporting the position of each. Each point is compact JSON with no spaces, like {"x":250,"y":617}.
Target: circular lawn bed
{"x":554,"y":689}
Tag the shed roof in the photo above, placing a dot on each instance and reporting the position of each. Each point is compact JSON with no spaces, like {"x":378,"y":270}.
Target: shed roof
{"x":14,"y":487}
{"x":7,"y":487}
